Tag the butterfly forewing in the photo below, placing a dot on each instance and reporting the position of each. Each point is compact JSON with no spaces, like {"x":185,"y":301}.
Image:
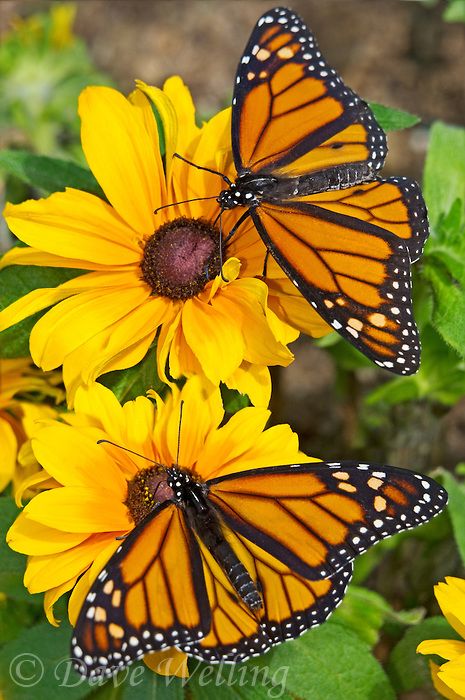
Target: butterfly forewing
{"x":151,"y":595}
{"x":353,"y":272}
{"x":316,"y":518}
{"x":292,"y":114}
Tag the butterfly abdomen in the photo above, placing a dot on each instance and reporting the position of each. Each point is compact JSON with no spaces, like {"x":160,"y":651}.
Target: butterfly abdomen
{"x":207,"y":526}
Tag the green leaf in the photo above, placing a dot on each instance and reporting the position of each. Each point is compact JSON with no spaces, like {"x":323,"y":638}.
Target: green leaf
{"x":366,"y":611}
{"x":409,"y":670}
{"x":141,"y":683}
{"x":48,"y":174}
{"x":391,"y":119}
{"x":37,"y":664}
{"x":444,"y":174}
{"x":441,"y":376}
{"x":449,"y":307}
{"x":129,"y":383}
{"x":17,"y":281}
{"x":304,"y":669}
{"x":12,"y":564}
{"x":456,"y":509}
{"x":455,"y":12}
{"x":233,"y":400}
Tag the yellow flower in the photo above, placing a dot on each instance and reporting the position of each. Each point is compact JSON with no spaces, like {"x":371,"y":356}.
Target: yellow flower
{"x":449,"y":678}
{"x":69,"y":530}
{"x":19,"y":379}
{"x":154,"y":273}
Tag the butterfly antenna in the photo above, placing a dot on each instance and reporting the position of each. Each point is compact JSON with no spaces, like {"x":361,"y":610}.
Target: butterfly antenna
{"x":126,"y":449}
{"x":179,"y":432}
{"x":201,"y":167}
{"x":184,"y":201}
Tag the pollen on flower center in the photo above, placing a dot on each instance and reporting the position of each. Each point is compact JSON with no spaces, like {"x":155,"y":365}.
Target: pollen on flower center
{"x":181,"y":257}
{"x":145,"y":491}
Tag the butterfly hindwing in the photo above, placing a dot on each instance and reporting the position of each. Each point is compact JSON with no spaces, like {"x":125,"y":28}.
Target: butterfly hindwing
{"x":291,"y":605}
{"x":395,"y":204}
{"x":151,"y":595}
{"x":292,"y":114}
{"x":316,"y":518}
{"x":355,"y":273}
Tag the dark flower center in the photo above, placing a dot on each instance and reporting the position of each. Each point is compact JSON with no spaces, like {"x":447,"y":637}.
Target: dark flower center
{"x":146,"y":490}
{"x":181,"y":257}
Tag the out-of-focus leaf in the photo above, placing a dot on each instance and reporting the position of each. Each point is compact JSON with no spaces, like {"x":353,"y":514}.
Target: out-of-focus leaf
{"x":391,"y":119}
{"x":409,"y":670}
{"x":128,"y":384}
{"x":441,"y":376}
{"x":365,"y":612}
{"x":456,"y":508}
{"x":444,"y":174}
{"x":48,"y":174}
{"x":304,"y":668}
{"x":16,"y":281}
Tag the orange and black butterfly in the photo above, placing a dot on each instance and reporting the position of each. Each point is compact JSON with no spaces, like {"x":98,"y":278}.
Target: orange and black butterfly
{"x":307,"y":151}
{"x":226,"y":568}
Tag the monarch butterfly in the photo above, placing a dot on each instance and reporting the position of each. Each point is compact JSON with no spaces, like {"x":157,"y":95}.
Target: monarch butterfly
{"x":307,"y":151}
{"x":226,"y":568}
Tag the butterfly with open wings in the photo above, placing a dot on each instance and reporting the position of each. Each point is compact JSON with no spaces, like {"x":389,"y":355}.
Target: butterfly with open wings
{"x":226,"y":568}
{"x":307,"y":151}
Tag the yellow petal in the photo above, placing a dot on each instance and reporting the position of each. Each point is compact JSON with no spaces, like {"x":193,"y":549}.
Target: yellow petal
{"x":108,"y":546}
{"x":275,"y":446}
{"x":165,"y":340}
{"x":30,"y":303}
{"x":446,"y":648}
{"x":440,"y":686}
{"x":234,"y":439}
{"x":30,"y":537}
{"x":39,"y":478}
{"x":79,"y":509}
{"x":452,"y":674}
{"x":245,"y":301}
{"x":202,"y":413}
{"x":66,"y":454}
{"x":8,"y":450}
{"x":184,"y":107}
{"x":293,"y":309}
{"x":69,"y":324}
{"x":168,"y":116}
{"x":51,"y":597}
{"x":139,"y":99}
{"x":32,"y":256}
{"x":47,"y":571}
{"x":102,"y":407}
{"x":75,"y":224}
{"x":213,"y":338}
{"x":119,"y":152}
{"x":451,"y":599}
{"x":253,"y":380}
{"x":170,"y":662}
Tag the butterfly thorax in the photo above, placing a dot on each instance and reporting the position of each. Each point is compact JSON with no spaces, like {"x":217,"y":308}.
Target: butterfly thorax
{"x":190,"y":495}
{"x":247,"y":191}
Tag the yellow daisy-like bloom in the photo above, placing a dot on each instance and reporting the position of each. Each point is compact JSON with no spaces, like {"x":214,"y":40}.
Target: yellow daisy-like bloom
{"x":449,"y":678}
{"x":69,"y":531}
{"x":18,"y":380}
{"x":149,"y":272}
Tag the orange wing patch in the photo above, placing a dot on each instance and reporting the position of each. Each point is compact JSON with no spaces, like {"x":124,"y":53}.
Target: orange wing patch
{"x":291,"y":604}
{"x":291,"y":112}
{"x":355,"y":506}
{"x":151,"y":595}
{"x":355,"y":273}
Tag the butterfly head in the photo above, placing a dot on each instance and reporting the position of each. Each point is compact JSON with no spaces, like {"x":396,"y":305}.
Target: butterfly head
{"x":247,"y":191}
